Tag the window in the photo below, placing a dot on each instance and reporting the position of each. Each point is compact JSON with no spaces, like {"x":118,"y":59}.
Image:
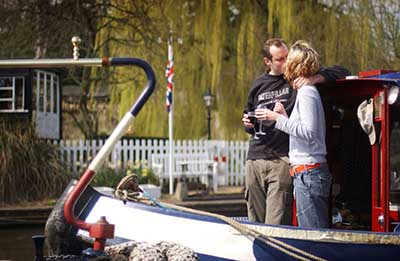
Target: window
{"x":12,"y":94}
{"x":45,"y":92}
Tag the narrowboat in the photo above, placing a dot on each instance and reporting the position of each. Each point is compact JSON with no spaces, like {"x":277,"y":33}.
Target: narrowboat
{"x":363,"y":142}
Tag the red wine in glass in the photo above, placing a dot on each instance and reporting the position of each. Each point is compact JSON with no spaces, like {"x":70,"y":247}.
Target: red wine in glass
{"x":251,"y":115}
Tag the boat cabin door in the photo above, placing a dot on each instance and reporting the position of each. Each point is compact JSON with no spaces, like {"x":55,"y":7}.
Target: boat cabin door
{"x":47,"y":87}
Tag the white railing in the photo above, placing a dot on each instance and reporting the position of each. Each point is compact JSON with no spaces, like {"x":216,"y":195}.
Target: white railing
{"x":78,"y":153}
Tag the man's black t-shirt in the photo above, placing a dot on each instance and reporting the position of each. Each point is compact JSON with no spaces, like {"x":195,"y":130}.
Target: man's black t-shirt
{"x":265,"y":92}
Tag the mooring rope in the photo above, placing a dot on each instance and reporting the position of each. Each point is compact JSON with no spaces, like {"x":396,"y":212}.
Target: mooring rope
{"x":128,"y":189}
{"x":277,"y":244}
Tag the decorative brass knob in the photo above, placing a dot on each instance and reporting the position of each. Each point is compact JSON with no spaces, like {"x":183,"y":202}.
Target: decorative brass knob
{"x":76,"y":40}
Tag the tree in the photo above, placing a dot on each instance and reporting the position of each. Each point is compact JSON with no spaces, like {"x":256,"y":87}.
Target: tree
{"x":43,"y":29}
{"x":219,"y":47}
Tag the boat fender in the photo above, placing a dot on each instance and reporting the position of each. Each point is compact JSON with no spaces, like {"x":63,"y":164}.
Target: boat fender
{"x":59,"y":234}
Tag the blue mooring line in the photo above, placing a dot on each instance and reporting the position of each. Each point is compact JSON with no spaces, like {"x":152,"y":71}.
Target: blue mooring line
{"x":152,"y":199}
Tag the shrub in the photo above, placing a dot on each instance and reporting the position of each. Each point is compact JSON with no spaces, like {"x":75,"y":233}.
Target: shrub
{"x":145,"y":174}
{"x":110,"y":175}
{"x":30,"y":168}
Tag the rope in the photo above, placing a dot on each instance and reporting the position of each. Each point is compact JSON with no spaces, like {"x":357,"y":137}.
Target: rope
{"x":277,"y":244}
{"x":128,"y":189}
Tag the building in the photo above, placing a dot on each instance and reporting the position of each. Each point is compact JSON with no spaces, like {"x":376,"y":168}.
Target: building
{"x":32,"y":95}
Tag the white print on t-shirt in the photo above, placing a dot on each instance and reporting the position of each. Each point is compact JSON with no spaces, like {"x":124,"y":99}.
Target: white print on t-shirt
{"x":273,"y":94}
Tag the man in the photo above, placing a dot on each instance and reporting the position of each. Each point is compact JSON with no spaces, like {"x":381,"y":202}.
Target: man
{"x":269,"y":189}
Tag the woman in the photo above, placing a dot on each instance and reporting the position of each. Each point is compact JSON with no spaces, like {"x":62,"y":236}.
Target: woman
{"x":306,"y":129}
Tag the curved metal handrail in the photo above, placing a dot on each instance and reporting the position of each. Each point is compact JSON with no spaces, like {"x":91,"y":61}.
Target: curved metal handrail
{"x":110,"y":143}
{"x":104,"y":152}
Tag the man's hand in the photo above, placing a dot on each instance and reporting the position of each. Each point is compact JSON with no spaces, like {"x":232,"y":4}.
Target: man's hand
{"x":312,"y":80}
{"x":246,"y":121}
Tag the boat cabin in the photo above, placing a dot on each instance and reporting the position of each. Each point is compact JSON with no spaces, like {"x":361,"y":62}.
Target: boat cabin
{"x":363,"y":143}
{"x":32,"y":95}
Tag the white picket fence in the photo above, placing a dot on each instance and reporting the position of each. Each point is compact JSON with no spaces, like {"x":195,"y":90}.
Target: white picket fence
{"x":78,"y":153}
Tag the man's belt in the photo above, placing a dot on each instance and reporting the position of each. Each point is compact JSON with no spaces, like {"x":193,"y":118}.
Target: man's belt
{"x":300,"y":168}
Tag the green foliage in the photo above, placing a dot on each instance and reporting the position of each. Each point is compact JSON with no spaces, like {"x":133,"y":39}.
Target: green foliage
{"x":110,"y":175}
{"x":143,"y":172}
{"x":30,"y":168}
{"x":216,"y":44}
{"x":219,"y":47}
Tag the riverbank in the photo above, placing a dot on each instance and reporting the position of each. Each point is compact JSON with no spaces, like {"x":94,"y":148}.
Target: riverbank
{"x":228,"y":201}
{"x":34,"y":214}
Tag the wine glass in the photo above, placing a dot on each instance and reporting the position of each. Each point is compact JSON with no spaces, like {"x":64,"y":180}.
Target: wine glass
{"x":252,"y":117}
{"x":260,"y":128}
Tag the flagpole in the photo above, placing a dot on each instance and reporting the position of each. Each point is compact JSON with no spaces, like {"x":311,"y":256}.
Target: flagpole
{"x":171,"y":149}
{"x":170,"y":107}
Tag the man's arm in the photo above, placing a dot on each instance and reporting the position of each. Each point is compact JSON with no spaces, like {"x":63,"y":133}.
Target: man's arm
{"x":325,"y":74}
{"x":330,"y":74}
{"x":248,"y":126}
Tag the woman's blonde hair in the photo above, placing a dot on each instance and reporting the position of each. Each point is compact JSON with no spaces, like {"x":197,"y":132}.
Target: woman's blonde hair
{"x":302,"y":60}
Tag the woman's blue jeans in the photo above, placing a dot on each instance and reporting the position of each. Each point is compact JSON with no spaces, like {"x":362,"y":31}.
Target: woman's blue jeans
{"x":312,"y":189}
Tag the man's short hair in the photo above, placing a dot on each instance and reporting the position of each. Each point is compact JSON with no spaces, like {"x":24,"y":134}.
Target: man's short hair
{"x":272,"y":42}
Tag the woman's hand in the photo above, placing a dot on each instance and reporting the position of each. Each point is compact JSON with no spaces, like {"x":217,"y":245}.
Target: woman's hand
{"x":279,"y":108}
{"x":266,"y":114}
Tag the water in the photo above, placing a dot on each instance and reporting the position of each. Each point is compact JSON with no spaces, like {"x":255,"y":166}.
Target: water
{"x":16,"y":242}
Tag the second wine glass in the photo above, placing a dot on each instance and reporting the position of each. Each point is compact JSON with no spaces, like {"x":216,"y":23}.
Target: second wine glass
{"x":260,"y":125}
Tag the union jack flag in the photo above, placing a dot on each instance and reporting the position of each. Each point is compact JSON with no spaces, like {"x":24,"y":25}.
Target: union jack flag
{"x":169,"y":76}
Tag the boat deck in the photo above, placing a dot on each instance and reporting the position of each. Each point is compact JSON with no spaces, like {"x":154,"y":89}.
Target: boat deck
{"x":227,"y":201}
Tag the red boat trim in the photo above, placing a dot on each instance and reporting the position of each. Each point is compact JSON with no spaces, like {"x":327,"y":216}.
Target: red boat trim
{"x":73,"y":198}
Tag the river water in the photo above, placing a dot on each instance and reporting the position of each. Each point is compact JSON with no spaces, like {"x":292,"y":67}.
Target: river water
{"x":16,"y":242}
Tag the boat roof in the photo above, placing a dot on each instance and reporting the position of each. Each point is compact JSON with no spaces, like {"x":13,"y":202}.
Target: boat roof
{"x":393,"y":77}
{"x":355,"y":86}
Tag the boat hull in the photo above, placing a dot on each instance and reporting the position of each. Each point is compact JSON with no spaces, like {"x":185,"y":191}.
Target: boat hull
{"x":213,"y":239}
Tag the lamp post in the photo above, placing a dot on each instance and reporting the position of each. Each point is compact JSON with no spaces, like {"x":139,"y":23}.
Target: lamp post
{"x":208,"y":100}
